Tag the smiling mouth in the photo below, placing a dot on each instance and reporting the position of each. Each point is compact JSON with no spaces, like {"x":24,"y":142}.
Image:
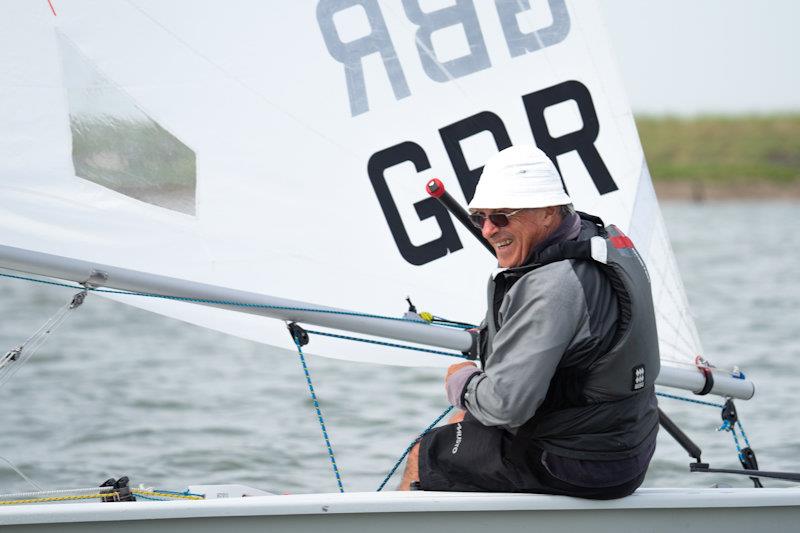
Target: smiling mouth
{"x":502,"y":244}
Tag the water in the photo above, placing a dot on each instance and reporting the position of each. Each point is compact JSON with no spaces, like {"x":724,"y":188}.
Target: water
{"x":121,"y":391}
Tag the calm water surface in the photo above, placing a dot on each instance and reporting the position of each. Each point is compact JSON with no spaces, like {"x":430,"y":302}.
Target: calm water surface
{"x":119,"y":391}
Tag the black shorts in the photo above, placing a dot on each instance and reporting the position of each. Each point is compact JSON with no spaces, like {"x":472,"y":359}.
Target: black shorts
{"x":471,"y":457}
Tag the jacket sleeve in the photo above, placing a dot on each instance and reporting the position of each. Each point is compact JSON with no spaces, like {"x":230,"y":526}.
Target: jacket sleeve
{"x":539,"y":318}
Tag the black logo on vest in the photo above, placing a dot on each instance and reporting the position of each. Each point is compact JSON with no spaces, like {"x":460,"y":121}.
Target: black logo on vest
{"x":638,"y":378}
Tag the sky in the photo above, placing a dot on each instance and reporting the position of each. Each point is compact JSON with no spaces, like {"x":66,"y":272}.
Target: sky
{"x":707,"y":56}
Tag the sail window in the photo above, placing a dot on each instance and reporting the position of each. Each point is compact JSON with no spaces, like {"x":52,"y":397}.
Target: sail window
{"x":117,"y":145}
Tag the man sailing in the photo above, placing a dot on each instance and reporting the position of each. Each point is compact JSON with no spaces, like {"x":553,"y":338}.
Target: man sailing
{"x":565,"y":401}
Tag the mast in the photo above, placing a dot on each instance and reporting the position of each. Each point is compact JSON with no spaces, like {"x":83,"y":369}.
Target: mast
{"x":97,"y":275}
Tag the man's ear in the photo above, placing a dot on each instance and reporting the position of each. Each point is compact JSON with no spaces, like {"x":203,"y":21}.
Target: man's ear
{"x":551,"y":215}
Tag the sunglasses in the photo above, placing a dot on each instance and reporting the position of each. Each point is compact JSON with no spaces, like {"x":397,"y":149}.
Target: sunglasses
{"x":498,"y":219}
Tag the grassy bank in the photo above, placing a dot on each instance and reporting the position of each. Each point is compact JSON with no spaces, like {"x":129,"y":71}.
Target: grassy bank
{"x":719,"y":151}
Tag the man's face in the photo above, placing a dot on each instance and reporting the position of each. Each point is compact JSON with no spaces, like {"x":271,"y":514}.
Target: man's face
{"x":527,"y":228}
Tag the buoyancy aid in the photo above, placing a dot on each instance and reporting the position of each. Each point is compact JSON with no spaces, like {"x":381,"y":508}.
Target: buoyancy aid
{"x":604,"y":407}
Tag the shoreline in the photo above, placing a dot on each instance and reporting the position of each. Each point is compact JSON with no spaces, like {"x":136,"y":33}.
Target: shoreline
{"x":700,"y":191}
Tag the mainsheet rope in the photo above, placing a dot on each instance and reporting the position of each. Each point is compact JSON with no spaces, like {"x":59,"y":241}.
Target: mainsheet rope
{"x":726,"y":426}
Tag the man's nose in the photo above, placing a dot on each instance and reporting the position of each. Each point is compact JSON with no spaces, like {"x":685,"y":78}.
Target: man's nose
{"x":488,"y":229}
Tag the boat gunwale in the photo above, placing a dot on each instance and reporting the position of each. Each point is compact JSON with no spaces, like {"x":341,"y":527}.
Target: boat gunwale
{"x":394,"y":502}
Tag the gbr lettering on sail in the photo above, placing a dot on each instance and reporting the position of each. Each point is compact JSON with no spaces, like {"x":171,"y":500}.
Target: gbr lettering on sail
{"x":462,"y":17}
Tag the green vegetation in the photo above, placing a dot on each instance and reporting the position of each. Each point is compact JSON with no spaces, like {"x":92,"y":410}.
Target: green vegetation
{"x":722,"y":149}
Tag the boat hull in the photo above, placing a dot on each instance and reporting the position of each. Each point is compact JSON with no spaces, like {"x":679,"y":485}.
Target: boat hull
{"x":683,"y":510}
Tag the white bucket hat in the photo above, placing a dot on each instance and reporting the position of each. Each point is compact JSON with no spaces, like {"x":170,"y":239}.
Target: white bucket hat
{"x":519,"y":177}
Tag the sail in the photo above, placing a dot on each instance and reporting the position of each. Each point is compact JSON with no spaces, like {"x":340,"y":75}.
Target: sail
{"x":283,"y":148}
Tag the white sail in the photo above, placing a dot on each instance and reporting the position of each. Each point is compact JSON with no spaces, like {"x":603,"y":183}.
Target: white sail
{"x":283,"y":148}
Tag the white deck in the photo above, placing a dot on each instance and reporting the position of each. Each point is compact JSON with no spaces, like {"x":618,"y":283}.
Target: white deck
{"x":647,"y":510}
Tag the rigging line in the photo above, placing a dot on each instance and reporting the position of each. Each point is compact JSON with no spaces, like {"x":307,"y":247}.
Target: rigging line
{"x":54,"y":492}
{"x":382,"y":343}
{"x":732,"y":430}
{"x":454,"y":325}
{"x":320,"y":419}
{"x":691,"y":400}
{"x":218,"y":302}
{"x":62,"y":498}
{"x":16,"y":358}
{"x":44,"y":327}
{"x":151,"y":498}
{"x":240,"y":82}
{"x":726,"y":426}
{"x":153,"y":494}
{"x":23,"y":476}
{"x":175,"y":492}
{"x":741,"y":428}
{"x":258,"y":306}
{"x":406,"y":452}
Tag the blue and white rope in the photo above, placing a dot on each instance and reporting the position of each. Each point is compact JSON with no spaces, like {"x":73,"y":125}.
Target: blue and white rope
{"x":726,"y":426}
{"x":691,"y":400}
{"x":419,"y":438}
{"x":320,"y":419}
{"x":383,"y":343}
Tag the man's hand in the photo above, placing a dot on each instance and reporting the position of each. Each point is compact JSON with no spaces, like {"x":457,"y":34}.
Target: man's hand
{"x":456,"y":367}
{"x":455,"y":387}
